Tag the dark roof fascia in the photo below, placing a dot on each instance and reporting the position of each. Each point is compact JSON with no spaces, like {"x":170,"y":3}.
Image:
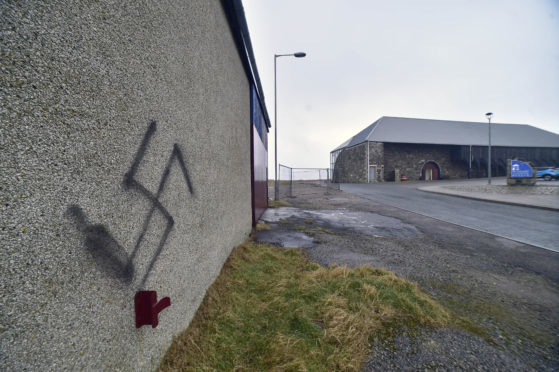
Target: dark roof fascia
{"x":457,"y":144}
{"x":435,"y":144}
{"x":239,"y":29}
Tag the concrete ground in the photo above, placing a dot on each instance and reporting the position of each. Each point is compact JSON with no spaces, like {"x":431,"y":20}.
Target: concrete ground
{"x":544,"y":195}
{"x":518,"y":213}
{"x":508,"y":288}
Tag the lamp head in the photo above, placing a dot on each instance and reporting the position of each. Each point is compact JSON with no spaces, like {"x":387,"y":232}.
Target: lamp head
{"x":489,"y":115}
{"x":299,"y":54}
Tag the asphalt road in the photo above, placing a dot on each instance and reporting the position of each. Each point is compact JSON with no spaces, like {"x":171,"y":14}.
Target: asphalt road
{"x":532,"y":226}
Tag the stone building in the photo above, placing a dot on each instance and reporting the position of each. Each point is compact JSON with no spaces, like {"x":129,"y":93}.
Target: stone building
{"x":423,"y":149}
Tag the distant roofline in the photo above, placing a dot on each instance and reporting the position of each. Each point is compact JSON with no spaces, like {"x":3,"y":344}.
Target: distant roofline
{"x":458,"y":121}
{"x":348,"y":143}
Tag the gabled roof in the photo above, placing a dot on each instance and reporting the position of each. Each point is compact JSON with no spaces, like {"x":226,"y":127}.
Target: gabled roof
{"x":446,"y":132}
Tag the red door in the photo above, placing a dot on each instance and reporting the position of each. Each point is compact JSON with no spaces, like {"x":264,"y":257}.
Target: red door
{"x":430,"y":171}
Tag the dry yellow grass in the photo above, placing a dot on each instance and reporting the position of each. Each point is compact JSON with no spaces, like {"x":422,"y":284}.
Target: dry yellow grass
{"x":272,"y":309}
{"x":278,"y":203}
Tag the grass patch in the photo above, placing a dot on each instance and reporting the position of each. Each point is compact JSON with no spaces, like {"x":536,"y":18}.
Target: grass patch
{"x":326,"y":231}
{"x":462,"y":310}
{"x":261,"y":225}
{"x":273,"y":309}
{"x":471,"y":311}
{"x":278,"y":203}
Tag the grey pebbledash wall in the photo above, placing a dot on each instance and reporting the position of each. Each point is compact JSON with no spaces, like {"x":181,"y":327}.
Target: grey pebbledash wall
{"x":125,"y":166}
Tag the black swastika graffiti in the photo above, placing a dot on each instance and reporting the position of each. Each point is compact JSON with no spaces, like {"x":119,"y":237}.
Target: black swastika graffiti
{"x":107,"y":252}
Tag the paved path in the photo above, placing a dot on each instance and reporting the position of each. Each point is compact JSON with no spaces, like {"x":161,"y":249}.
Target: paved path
{"x":529,"y":225}
{"x":545,"y":195}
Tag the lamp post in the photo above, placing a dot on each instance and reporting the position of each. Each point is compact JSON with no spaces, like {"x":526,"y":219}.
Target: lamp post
{"x":297,"y":55}
{"x":489,"y":115}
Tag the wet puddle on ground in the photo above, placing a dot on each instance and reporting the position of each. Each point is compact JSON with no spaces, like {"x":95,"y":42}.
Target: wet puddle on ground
{"x":286,"y":238}
{"x":335,"y":220}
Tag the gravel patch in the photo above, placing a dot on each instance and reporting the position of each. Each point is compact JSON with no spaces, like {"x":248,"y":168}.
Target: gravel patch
{"x":344,"y":220}
{"x":509,"y":290}
{"x":442,"y":350}
{"x":506,"y":190}
{"x":286,"y":239}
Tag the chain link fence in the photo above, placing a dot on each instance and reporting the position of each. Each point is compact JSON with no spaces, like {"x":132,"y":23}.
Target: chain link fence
{"x":290,"y":178}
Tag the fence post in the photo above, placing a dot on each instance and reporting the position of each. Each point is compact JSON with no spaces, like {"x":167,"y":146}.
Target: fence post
{"x":288,"y":174}
{"x":291,"y":182}
{"x":279,"y":180}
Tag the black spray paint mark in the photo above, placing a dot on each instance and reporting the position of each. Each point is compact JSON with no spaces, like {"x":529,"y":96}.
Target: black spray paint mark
{"x":104,"y":248}
{"x":130,"y":182}
{"x":106,"y":251}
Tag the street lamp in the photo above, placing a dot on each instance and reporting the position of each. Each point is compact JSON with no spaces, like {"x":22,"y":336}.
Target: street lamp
{"x":297,"y":55}
{"x":489,"y":115}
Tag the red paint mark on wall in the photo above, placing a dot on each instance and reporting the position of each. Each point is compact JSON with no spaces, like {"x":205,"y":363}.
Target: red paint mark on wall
{"x":148,"y":308}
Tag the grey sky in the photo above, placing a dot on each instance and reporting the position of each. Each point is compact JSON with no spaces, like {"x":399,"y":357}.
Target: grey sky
{"x":434,"y":59}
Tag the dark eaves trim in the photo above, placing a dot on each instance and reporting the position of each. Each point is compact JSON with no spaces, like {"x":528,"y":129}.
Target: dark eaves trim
{"x":239,"y":29}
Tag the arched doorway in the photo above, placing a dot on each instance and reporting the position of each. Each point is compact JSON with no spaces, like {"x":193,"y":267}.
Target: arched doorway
{"x":430,"y":171}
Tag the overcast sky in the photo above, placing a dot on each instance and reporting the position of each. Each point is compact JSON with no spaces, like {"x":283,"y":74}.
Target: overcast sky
{"x":432,"y":59}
